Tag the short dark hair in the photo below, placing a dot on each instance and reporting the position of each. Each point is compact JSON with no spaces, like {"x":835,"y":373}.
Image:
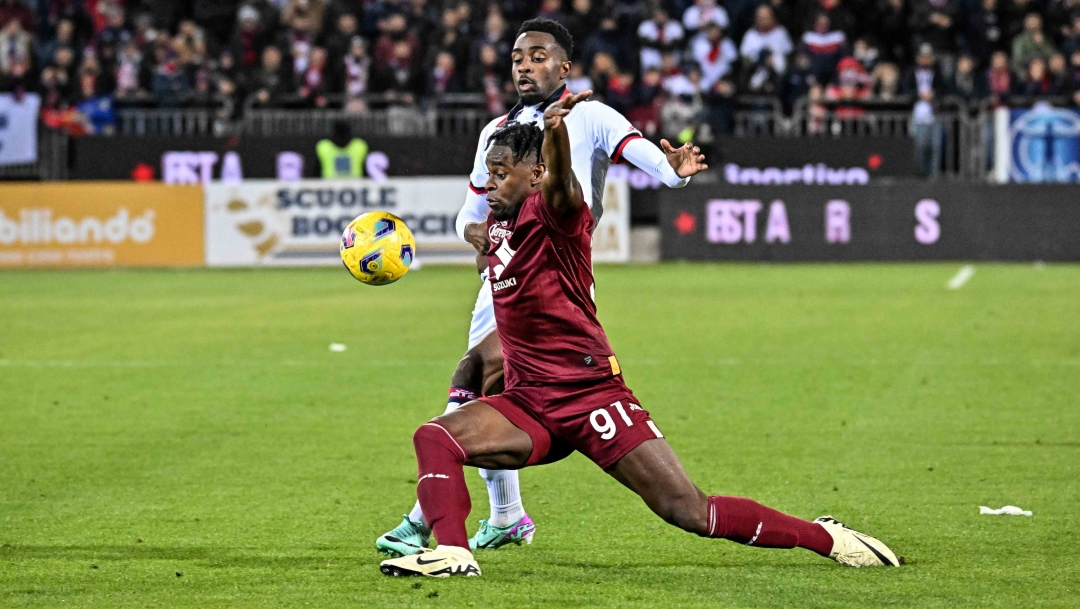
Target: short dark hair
{"x":557,"y":30}
{"x":523,"y":139}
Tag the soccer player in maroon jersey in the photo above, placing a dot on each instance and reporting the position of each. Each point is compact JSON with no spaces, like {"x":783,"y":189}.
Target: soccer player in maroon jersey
{"x":599,"y":136}
{"x":564,"y":387}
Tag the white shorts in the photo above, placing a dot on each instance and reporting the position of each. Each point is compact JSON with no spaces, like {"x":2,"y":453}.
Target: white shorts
{"x":483,"y":316}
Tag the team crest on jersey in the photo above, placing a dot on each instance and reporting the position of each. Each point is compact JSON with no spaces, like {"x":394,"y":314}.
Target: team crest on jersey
{"x":498,"y":232}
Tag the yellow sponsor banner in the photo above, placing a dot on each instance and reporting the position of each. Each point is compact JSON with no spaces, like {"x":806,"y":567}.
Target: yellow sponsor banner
{"x":78,"y":224}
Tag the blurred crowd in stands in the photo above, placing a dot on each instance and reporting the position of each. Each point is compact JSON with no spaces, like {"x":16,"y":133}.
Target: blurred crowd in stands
{"x":660,"y":62}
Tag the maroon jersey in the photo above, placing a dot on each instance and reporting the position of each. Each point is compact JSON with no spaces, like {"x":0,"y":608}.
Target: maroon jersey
{"x":540,"y":268}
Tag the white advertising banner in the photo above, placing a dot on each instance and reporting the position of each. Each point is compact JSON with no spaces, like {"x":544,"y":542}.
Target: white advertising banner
{"x":18,"y":128}
{"x":267,"y":222}
{"x":282,"y":223}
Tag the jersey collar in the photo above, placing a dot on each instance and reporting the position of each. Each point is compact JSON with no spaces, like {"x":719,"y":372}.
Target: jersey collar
{"x":556,"y":96}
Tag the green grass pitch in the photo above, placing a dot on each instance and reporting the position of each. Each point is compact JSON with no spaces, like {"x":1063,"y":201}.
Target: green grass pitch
{"x":187,"y":439}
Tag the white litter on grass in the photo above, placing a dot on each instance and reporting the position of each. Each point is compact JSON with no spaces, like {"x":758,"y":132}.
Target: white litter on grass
{"x":337,"y":347}
{"x":1009,"y":510}
{"x":961,"y":277}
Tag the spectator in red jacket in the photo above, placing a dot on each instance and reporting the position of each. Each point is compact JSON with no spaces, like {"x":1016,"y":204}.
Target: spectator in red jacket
{"x":852,"y":84}
{"x":999,"y":78}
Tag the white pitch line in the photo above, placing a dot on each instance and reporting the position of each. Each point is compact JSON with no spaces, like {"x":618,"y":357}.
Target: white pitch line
{"x":961,"y":277}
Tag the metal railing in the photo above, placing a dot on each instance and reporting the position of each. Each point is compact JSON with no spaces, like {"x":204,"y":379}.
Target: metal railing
{"x":180,"y":121}
{"x":758,"y":115}
{"x":450,"y":115}
{"x":445,"y":115}
{"x":967,"y":129}
{"x":394,"y":121}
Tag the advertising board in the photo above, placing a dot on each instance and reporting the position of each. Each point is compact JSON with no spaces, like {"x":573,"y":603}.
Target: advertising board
{"x":926,"y":221}
{"x":231,"y":159}
{"x":1037,"y":145}
{"x":100,"y":224}
{"x":18,"y":128}
{"x":269,"y":222}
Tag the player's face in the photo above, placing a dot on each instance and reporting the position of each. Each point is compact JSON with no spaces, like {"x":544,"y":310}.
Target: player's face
{"x":510,"y":183}
{"x":540,"y":66}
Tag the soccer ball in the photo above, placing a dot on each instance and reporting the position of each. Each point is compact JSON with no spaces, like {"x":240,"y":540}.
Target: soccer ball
{"x":377,"y":248}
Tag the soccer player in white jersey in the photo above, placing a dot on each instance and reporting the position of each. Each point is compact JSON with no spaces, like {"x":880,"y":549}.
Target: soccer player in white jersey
{"x":598,"y":136}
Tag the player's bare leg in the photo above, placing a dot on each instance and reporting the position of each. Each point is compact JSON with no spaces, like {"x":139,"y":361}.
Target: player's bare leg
{"x":475,"y":434}
{"x":487,"y":359}
{"x":653,"y":471}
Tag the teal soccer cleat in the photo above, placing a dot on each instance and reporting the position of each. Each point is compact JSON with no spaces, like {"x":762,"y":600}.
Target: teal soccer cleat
{"x":491,"y":537}
{"x":405,"y":540}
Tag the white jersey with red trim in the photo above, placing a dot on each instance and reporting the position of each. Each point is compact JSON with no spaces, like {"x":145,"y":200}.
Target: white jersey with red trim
{"x":598,"y":135}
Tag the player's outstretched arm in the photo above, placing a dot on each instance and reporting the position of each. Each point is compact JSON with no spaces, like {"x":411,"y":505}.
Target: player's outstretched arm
{"x":686,"y":160}
{"x":560,"y":187}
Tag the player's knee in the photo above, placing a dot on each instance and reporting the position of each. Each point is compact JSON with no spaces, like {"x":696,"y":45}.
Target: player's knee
{"x":421,"y":436}
{"x":432,"y":434}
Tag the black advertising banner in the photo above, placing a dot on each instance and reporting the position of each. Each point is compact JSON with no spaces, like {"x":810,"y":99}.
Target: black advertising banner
{"x":779,"y":161}
{"x":818,"y":160}
{"x":915,"y":221}
{"x":143,"y":157}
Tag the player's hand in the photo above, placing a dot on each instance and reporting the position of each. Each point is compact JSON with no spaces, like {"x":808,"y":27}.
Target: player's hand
{"x":476,"y":235}
{"x":686,"y":160}
{"x":554,"y":113}
{"x":481,"y":263}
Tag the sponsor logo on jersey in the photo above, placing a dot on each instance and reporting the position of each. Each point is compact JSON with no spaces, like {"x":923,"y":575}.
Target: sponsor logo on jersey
{"x":505,"y":283}
{"x":498,"y":232}
{"x":504,"y":255}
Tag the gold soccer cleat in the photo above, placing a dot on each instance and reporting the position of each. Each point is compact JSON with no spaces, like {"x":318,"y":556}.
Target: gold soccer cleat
{"x":856,"y":549}
{"x":443,"y":561}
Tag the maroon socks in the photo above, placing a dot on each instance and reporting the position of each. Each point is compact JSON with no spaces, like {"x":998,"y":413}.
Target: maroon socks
{"x":440,"y":484}
{"x":748,"y":522}
{"x":444,"y":498}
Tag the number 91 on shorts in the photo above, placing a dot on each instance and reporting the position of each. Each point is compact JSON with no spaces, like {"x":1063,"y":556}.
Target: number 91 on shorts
{"x":601,"y":420}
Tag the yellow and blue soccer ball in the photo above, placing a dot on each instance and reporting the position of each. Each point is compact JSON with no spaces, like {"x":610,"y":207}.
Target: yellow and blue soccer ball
{"x":377,"y":248}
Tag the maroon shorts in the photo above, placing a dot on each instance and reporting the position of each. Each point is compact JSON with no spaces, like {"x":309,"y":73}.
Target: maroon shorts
{"x":600,"y":419}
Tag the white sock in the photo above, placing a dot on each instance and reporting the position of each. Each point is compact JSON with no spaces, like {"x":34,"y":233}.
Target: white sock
{"x":417,"y":516}
{"x":504,"y":495}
